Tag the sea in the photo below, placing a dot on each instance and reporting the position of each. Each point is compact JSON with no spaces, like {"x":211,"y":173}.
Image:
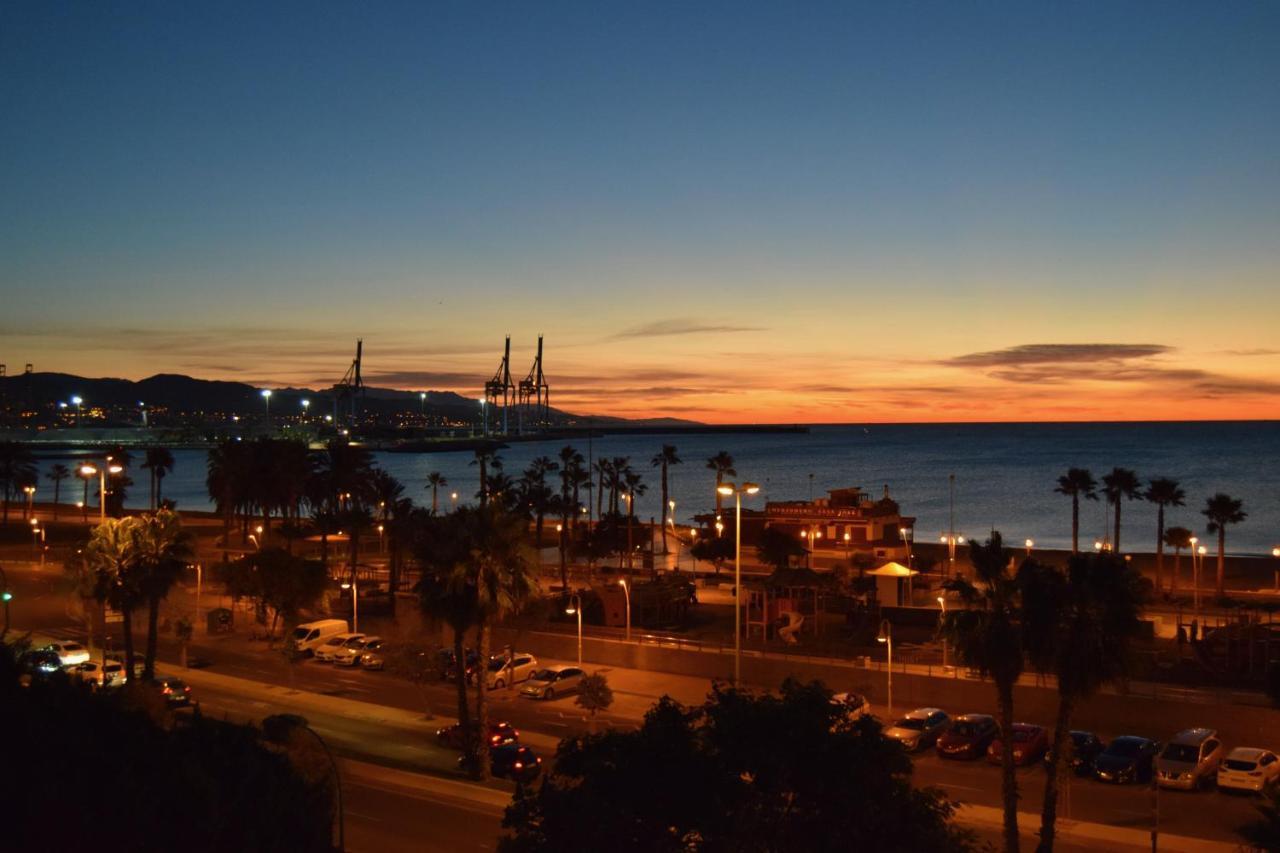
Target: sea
{"x":1004,"y":474}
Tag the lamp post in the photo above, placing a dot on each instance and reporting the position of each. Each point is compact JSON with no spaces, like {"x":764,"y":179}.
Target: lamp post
{"x":560,"y":545}
{"x":354,"y":586}
{"x":382,"y":539}
{"x":622,"y":582}
{"x":79,"y":401}
{"x":88,"y":470}
{"x":1275,"y":552}
{"x":199,"y":584}
{"x":266,"y":399}
{"x":886,"y":637}
{"x":1030,"y":544}
{"x":942,"y":602}
{"x":35,"y":535}
{"x":628,"y":497}
{"x":737,"y":492}
{"x":306,"y":406}
{"x":906,"y":540}
{"x":1199,"y":564}
{"x":30,"y":492}
{"x":453,"y":500}
{"x":422,"y":399}
{"x":575,"y":608}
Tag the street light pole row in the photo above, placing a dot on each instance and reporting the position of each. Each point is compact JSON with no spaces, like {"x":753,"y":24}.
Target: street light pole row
{"x":727,"y":489}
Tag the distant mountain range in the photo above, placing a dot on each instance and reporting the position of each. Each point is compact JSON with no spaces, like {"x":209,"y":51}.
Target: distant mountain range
{"x":186,"y":395}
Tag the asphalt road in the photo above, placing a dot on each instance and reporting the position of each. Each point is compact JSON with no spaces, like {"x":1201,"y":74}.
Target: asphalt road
{"x":40,"y":605}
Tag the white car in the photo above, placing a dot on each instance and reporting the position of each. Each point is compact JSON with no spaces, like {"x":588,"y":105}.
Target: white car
{"x":552,"y":681}
{"x":70,"y":653}
{"x":1248,"y":769}
{"x":327,"y":649}
{"x":99,"y":674}
{"x":519,"y":668}
{"x":919,"y":728}
{"x":350,"y":652}
{"x":857,"y":704}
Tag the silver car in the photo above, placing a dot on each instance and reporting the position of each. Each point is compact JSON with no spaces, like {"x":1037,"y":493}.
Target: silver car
{"x":552,"y":681}
{"x":919,"y":728}
{"x":1189,"y":759}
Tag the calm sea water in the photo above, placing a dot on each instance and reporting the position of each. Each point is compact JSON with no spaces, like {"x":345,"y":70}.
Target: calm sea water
{"x":1005,"y":473}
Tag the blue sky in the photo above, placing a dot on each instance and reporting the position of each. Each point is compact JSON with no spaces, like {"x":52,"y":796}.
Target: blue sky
{"x":712,"y":206}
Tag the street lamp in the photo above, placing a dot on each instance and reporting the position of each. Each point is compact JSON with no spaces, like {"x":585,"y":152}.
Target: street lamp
{"x":306,"y":405}
{"x":1030,"y":544}
{"x":79,"y":401}
{"x":88,"y":470}
{"x":266,"y":398}
{"x":422,"y":398}
{"x":727,"y":489}
{"x":622,"y":582}
{"x":942,"y":602}
{"x":382,"y":541}
{"x":354,"y":586}
{"x":1199,"y":564}
{"x":575,"y":608}
{"x":1275,"y":552}
{"x":31,"y":494}
{"x":886,"y":637}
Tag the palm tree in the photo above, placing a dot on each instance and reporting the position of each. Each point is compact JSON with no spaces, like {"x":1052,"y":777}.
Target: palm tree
{"x":664,"y":459}
{"x":1080,"y":627}
{"x":1222,"y":510}
{"x":722,"y":464}
{"x":109,"y":557}
{"x":1077,"y":483}
{"x":1162,"y":492}
{"x":484,"y":455}
{"x":635,"y":486}
{"x":57,"y":474}
{"x":602,"y":471}
{"x":537,"y":494}
{"x":1177,"y":538}
{"x":502,"y":569}
{"x":159,"y":462}
{"x":393,"y":506}
{"x":987,"y":636}
{"x":17,"y":467}
{"x":434,"y":481}
{"x":1120,"y":485}
{"x":161,"y":550}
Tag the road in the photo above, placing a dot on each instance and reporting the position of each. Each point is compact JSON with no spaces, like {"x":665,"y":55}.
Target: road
{"x":405,"y":742}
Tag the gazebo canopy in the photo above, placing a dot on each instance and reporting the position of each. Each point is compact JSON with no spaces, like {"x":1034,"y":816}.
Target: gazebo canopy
{"x":893,"y":570}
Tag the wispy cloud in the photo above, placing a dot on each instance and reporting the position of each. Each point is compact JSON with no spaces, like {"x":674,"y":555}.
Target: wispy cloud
{"x":661,"y":328}
{"x":1027,"y":354}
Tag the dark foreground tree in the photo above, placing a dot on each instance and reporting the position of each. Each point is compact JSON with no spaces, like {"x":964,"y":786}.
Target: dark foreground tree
{"x":743,"y":772}
{"x":1264,"y":833}
{"x":150,"y":784}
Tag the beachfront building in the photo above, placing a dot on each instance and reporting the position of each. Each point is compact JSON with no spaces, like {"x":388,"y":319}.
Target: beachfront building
{"x":846,"y":523}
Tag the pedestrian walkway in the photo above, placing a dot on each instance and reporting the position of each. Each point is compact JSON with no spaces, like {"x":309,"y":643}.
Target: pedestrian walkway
{"x":1079,"y":835}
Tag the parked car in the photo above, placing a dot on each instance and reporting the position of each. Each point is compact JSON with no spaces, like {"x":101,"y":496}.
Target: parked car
{"x":40,"y":662}
{"x":856,"y":703}
{"x":919,"y":728}
{"x":100,"y":674}
{"x":503,"y":672}
{"x":174,"y":690}
{"x":348,"y":654}
{"x":967,"y":737}
{"x":552,"y":681}
{"x":309,"y":635}
{"x":515,"y":761}
{"x":449,"y":668}
{"x":326,"y":650}
{"x":454,"y":736}
{"x":373,"y":655}
{"x":1126,"y":759}
{"x":1030,"y":743}
{"x":1083,"y":750}
{"x":1189,"y":760}
{"x":1248,"y":769}
{"x":68,"y":652}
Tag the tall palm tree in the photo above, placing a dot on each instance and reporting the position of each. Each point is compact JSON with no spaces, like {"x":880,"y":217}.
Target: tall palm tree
{"x":1177,"y":538}
{"x":536,"y":493}
{"x":483,"y":457}
{"x":17,"y":467}
{"x":664,"y":459}
{"x":987,"y":636}
{"x":1162,"y":492}
{"x":158,"y":462}
{"x":502,"y":570}
{"x":161,"y":550}
{"x":1223,"y":510}
{"x":635,"y":487}
{"x":56,"y":475}
{"x":435,"y":480}
{"x":722,"y":464}
{"x":1079,"y":626}
{"x":109,"y":556}
{"x":1077,"y":483}
{"x":393,"y":506}
{"x":1121,"y":485}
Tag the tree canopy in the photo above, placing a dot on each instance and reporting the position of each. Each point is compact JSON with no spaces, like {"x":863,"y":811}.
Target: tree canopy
{"x":742,"y":772}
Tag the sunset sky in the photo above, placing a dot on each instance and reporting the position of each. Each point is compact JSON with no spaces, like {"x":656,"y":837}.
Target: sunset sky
{"x":729,"y":212}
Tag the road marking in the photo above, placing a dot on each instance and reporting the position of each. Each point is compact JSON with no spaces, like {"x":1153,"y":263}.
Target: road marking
{"x":361,"y":815}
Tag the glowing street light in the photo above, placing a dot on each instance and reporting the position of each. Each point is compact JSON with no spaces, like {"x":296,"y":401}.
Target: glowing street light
{"x":886,"y":637}
{"x":575,"y":608}
{"x":942,"y":602}
{"x":79,"y":404}
{"x":306,"y":405}
{"x":622,"y":582}
{"x":1030,"y":544}
{"x":266,"y":399}
{"x":727,"y":489}
{"x":88,"y":470}
{"x":1275,"y":552}
{"x":422,"y":398}
{"x":354,"y":586}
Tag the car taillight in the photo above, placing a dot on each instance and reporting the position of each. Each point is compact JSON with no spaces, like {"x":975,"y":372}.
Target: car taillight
{"x":539,"y":760}
{"x":519,"y":765}
{"x":186,"y":689}
{"x":167,"y":691}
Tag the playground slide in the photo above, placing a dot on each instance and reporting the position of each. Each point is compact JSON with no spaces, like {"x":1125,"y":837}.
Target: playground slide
{"x":789,"y":631}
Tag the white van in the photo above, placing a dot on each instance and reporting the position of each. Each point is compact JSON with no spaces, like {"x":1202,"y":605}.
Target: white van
{"x":309,"y":635}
